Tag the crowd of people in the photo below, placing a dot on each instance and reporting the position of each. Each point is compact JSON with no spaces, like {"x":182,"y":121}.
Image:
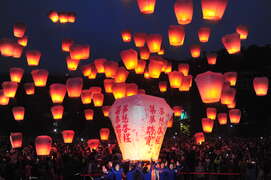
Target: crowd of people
{"x":180,"y":158}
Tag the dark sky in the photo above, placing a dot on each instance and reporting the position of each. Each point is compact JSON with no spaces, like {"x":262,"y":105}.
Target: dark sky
{"x":99,"y":23}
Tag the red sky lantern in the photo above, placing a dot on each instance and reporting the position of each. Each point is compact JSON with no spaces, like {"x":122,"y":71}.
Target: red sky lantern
{"x":119,"y":90}
{"x":126,"y":36}
{"x":16,"y":139}
{"x":43,"y":145}
{"x":66,"y":44}
{"x":106,"y":110}
{"x":232,"y":105}
{"x":104,"y":134}
{"x":146,"y":74}
{"x":68,"y":136}
{"x":57,"y":92}
{"x":140,"y":39}
{"x":57,"y":112}
{"x":199,"y":138}
{"x":108,"y":83}
{"x":211,"y":113}
{"x":213,"y":10}
{"x":79,"y":51}
{"x":129,"y":58}
{"x":18,"y":113}
{"x":9,"y":88}
{"x":110,"y":68}
{"x":40,"y":77}
{"x":33,"y":57}
{"x":232,"y":43}
{"x":146,"y":6}
{"x":74,"y":87}
{"x":99,"y":64}
{"x":186,"y":83}
{"x":163,"y":86}
{"x":86,"y":96}
{"x":154,"y":42}
{"x":195,"y":50}
{"x":207,"y":125}
{"x":89,"y":113}
{"x":53,"y":16}
{"x":204,"y":34}
{"x":29,"y":88}
{"x":19,"y":30}
{"x":184,"y":11}
{"x":3,"y":99}
{"x":261,"y":85}
{"x":210,"y":85}
{"x":16,"y":74}
{"x":131,"y":89}
{"x":93,"y":144}
{"x":72,"y":64}
{"x":63,"y":17}
{"x":93,"y":73}
{"x":242,"y":30}
{"x":23,"y":41}
{"x":98,"y":99}
{"x":235,"y":116}
{"x":6,"y":47}
{"x":175,"y":79}
{"x":211,"y":58}
{"x":144,"y":53}
{"x":228,"y":95}
{"x":176,"y":35}
{"x":222,"y":118}
{"x":167,"y":67}
{"x":183,"y":68}
{"x":231,"y":77}
{"x":71,"y":17}
{"x":86,"y":70}
{"x":17,"y":50}
{"x":155,"y":68}
{"x":140,"y":68}
{"x":95,"y":90}
{"x":177,"y":111}
{"x":121,"y":75}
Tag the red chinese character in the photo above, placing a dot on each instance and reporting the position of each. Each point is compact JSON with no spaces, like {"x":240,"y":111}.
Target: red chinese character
{"x":125,"y":109}
{"x":118,"y":109}
{"x":152,"y":109}
{"x":161,"y":111}
{"x":148,"y":140}
{"x":125,"y":128}
{"x":152,"y":119}
{"x":125,"y":118}
{"x":117,"y":119}
{"x":126,"y":137}
{"x":160,"y":130}
{"x":161,"y":120}
{"x":158,"y":139}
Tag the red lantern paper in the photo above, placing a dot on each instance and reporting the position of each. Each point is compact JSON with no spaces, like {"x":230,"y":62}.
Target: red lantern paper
{"x":29,"y":88}
{"x":175,"y":79}
{"x":129,"y":58}
{"x":74,"y":87}
{"x":108,"y":84}
{"x":93,"y":144}
{"x":261,"y":85}
{"x":204,"y":34}
{"x":163,"y":86}
{"x":161,"y":52}
{"x":106,"y":110}
{"x":72,"y":64}
{"x":154,"y":42}
{"x":155,"y":68}
{"x":140,"y":39}
{"x":6,"y":47}
{"x":207,"y":125}
{"x":126,"y":36}
{"x":177,"y":111}
{"x":121,"y":75}
{"x":43,"y":145}
{"x":16,"y":140}
{"x":140,"y":68}
{"x":242,"y":30}
{"x":211,"y":58}
{"x":110,"y":68}
{"x":98,"y":99}
{"x":18,"y":113}
{"x":63,"y":17}
{"x":79,"y":51}
{"x":19,"y":30}
{"x":9,"y":88}
{"x":146,"y":6}
{"x":232,"y":43}
{"x":33,"y":57}
{"x":17,"y":50}
{"x":144,"y":53}
{"x":104,"y":134}
{"x":186,"y":83}
{"x":66,"y":44}
{"x":228,"y":95}
{"x":184,"y":68}
{"x":89,"y":113}
{"x":95,"y":90}
{"x":213,"y":10}
{"x":222,"y":118}
{"x":231,"y":77}
{"x":57,"y":92}
{"x":119,"y":90}
{"x":211,"y":113}
{"x":99,"y":64}
{"x":199,"y":138}
{"x":16,"y":74}
{"x":57,"y":112}
{"x":71,"y":17}
{"x":67,"y":136}
{"x":195,"y":51}
{"x":23,"y":41}
{"x":176,"y":35}
{"x":53,"y":16}
{"x":3,"y":99}
{"x":184,"y":11}
{"x":232,"y":105}
{"x":40,"y":77}
{"x":210,"y":85}
{"x":235,"y":116}
{"x":86,"y":96}
{"x":131,"y":89}
{"x":140,"y":112}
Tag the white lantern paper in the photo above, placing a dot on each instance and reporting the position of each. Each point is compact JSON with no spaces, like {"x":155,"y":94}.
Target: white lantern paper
{"x":140,"y":123}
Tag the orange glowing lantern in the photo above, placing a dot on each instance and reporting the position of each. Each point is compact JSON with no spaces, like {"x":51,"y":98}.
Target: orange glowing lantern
{"x":71,"y":17}
{"x":98,"y":99}
{"x":144,"y":53}
{"x":68,"y":136}
{"x":176,"y":35}
{"x":207,"y":125}
{"x":19,"y":30}
{"x":210,"y":85}
{"x":104,"y":134}
{"x":17,"y":50}
{"x":93,"y":72}
{"x":184,"y":11}
{"x":213,"y":10}
{"x":232,"y":43}
{"x":222,"y":118}
{"x":199,"y":138}
{"x":177,"y":111}
{"x":242,"y":31}
{"x":33,"y":57}
{"x":6,"y":47}
{"x":99,"y":64}
{"x":89,"y":113}
{"x":66,"y":44}
{"x":228,"y":95}
{"x":74,"y":87}
{"x":110,"y":68}
{"x":119,"y":90}
{"x":93,"y":144}
{"x":86,"y":96}
{"x":232,"y":105}
{"x":204,"y":34}
{"x":43,"y":145}
{"x":168,"y":67}
{"x":211,"y":58}
{"x":57,"y":92}
{"x":146,"y":6}
{"x":57,"y":112}
{"x":184,"y":68}
{"x":18,"y":113}
{"x":126,"y":36}
{"x":40,"y":77}
{"x":108,"y":84}
{"x":53,"y":15}
{"x":140,"y":39}
{"x":29,"y":88}
{"x":16,"y":139}
{"x":175,"y":79}
{"x":3,"y":99}
{"x":9,"y":88}
{"x":161,"y":52}
{"x":170,"y":123}
{"x":195,"y":51}
{"x":131,"y":89}
{"x":186,"y":83}
{"x":79,"y":52}
{"x":235,"y":116}
{"x":231,"y":77}
{"x":16,"y":74}
{"x":106,"y":110}
{"x":63,"y":18}
{"x":163,"y":86}
{"x":121,"y":75}
{"x":95,"y":90}
{"x":154,"y":42}
{"x":211,"y":113}
{"x":129,"y":58}
{"x":155,"y":68}
{"x":146,"y":75}
{"x":140,"y":68}
{"x":260,"y":85}
{"x":23,"y":41}
{"x":72,"y":64}
{"x":86,"y":70}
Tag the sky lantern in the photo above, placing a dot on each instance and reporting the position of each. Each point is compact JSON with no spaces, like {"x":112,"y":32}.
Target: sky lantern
{"x":213,"y":10}
{"x":19,"y":30}
{"x":140,"y":68}
{"x":57,"y":111}
{"x":163,"y":86}
{"x":63,"y":17}
{"x":222,"y":118}
{"x":108,"y":84}
{"x":33,"y":57}
{"x":43,"y":145}
{"x":199,"y":138}
{"x":119,"y":90}
{"x":17,"y":50}
{"x":71,"y":17}
{"x":106,"y":110}
{"x":146,"y":74}
{"x":68,"y":136}
{"x":261,"y":85}
{"x":110,"y":68}
{"x":121,"y":75}
{"x":155,"y":68}
{"x":99,"y":64}
{"x":72,"y":64}
{"x":74,"y":86}
{"x":129,"y":58}
{"x":131,"y":89}
{"x":140,"y":39}
{"x":183,"y":68}
{"x":93,"y":144}
{"x":98,"y":99}
{"x":16,"y":74}
{"x":126,"y":36}
{"x":167,"y":67}
{"x":104,"y":134}
{"x":176,"y":35}
{"x":29,"y":88}
{"x":210,"y":85}
{"x":40,"y":77}
{"x":195,"y":50}
{"x":66,"y":44}
{"x":79,"y":51}
{"x":93,"y":72}
{"x":177,"y":111}
{"x":57,"y":92}
{"x":228,"y":95}
{"x":3,"y":99}
{"x":161,"y":52}
{"x":23,"y":41}
{"x":89,"y":113}
{"x":211,"y":113}
{"x":154,"y":42}
{"x":95,"y":90}
{"x":16,"y":139}
{"x":144,"y":53}
{"x":170,"y":123}
{"x":9,"y":88}
{"x":6,"y":47}
{"x":86,"y":96}
{"x":184,"y":11}
{"x":53,"y":16}
{"x":211,"y":58}
{"x":146,"y":120}
{"x":175,"y":79}
{"x":232,"y":43}
{"x":235,"y":116}
{"x":18,"y":113}
{"x":242,"y":30}
{"x":204,"y":34}
{"x":232,"y":105}
{"x":231,"y":77}
{"x":207,"y":125}
{"x":186,"y":83}
{"x":146,"y":6}
{"x":86,"y":70}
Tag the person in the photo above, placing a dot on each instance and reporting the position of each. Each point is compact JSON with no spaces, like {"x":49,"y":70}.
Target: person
{"x":118,"y":172}
{"x":130,"y":173}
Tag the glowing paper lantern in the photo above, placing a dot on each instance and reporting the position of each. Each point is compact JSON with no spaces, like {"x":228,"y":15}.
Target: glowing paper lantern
{"x":104,"y":134}
{"x":18,"y":113}
{"x":89,"y":113}
{"x":129,"y":58}
{"x":161,"y":52}
{"x":57,"y":92}
{"x":204,"y":34}
{"x":176,"y":35}
{"x":95,"y":90}
{"x":210,"y":85}
{"x":222,"y":118}
{"x":86,"y":70}
{"x":177,"y":111}
{"x":6,"y":47}
{"x":66,"y":44}
{"x":79,"y":51}
{"x":146,"y":6}
{"x":71,"y":17}
{"x":146,"y":75}
{"x":19,"y":30}
{"x":183,"y":68}
{"x":144,"y":53}
{"x":232,"y":43}
{"x":40,"y":77}
{"x":29,"y":88}
{"x":67,"y":136}
{"x":98,"y":99}
{"x":86,"y":96}
{"x":163,"y":86}
{"x":235,"y":116}
{"x":53,"y":16}
{"x":63,"y":17}
{"x":23,"y":41}
{"x":184,"y":11}
{"x":131,"y":89}
{"x":207,"y":125}
{"x":154,"y":42}
{"x":175,"y":79}
{"x":110,"y":68}
{"x":186,"y":83}
{"x":126,"y":35}
{"x":106,"y":110}
{"x":57,"y":112}
{"x":121,"y":75}
{"x":213,"y":10}
{"x":146,"y":120}
{"x":170,"y":123}
{"x":33,"y":57}
{"x":140,"y":39}
{"x":261,"y":85}
{"x":99,"y":64}
{"x":17,"y":50}
{"x":3,"y":99}
{"x":232,"y":105}
{"x":211,"y":113}
{"x":195,"y":51}
{"x":155,"y":68}
{"x":211,"y":58}
{"x":231,"y":77}
{"x":199,"y":138}
{"x":16,"y":74}
{"x":43,"y":145}
{"x":108,"y":84}
{"x":16,"y":139}
{"x":140,"y":68}
{"x":93,"y":144}
{"x":242,"y":31}
{"x":119,"y":90}
{"x":74,"y":87}
{"x":9,"y":88}
{"x":228,"y":95}
{"x":72,"y":64}
{"x":93,"y":74}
